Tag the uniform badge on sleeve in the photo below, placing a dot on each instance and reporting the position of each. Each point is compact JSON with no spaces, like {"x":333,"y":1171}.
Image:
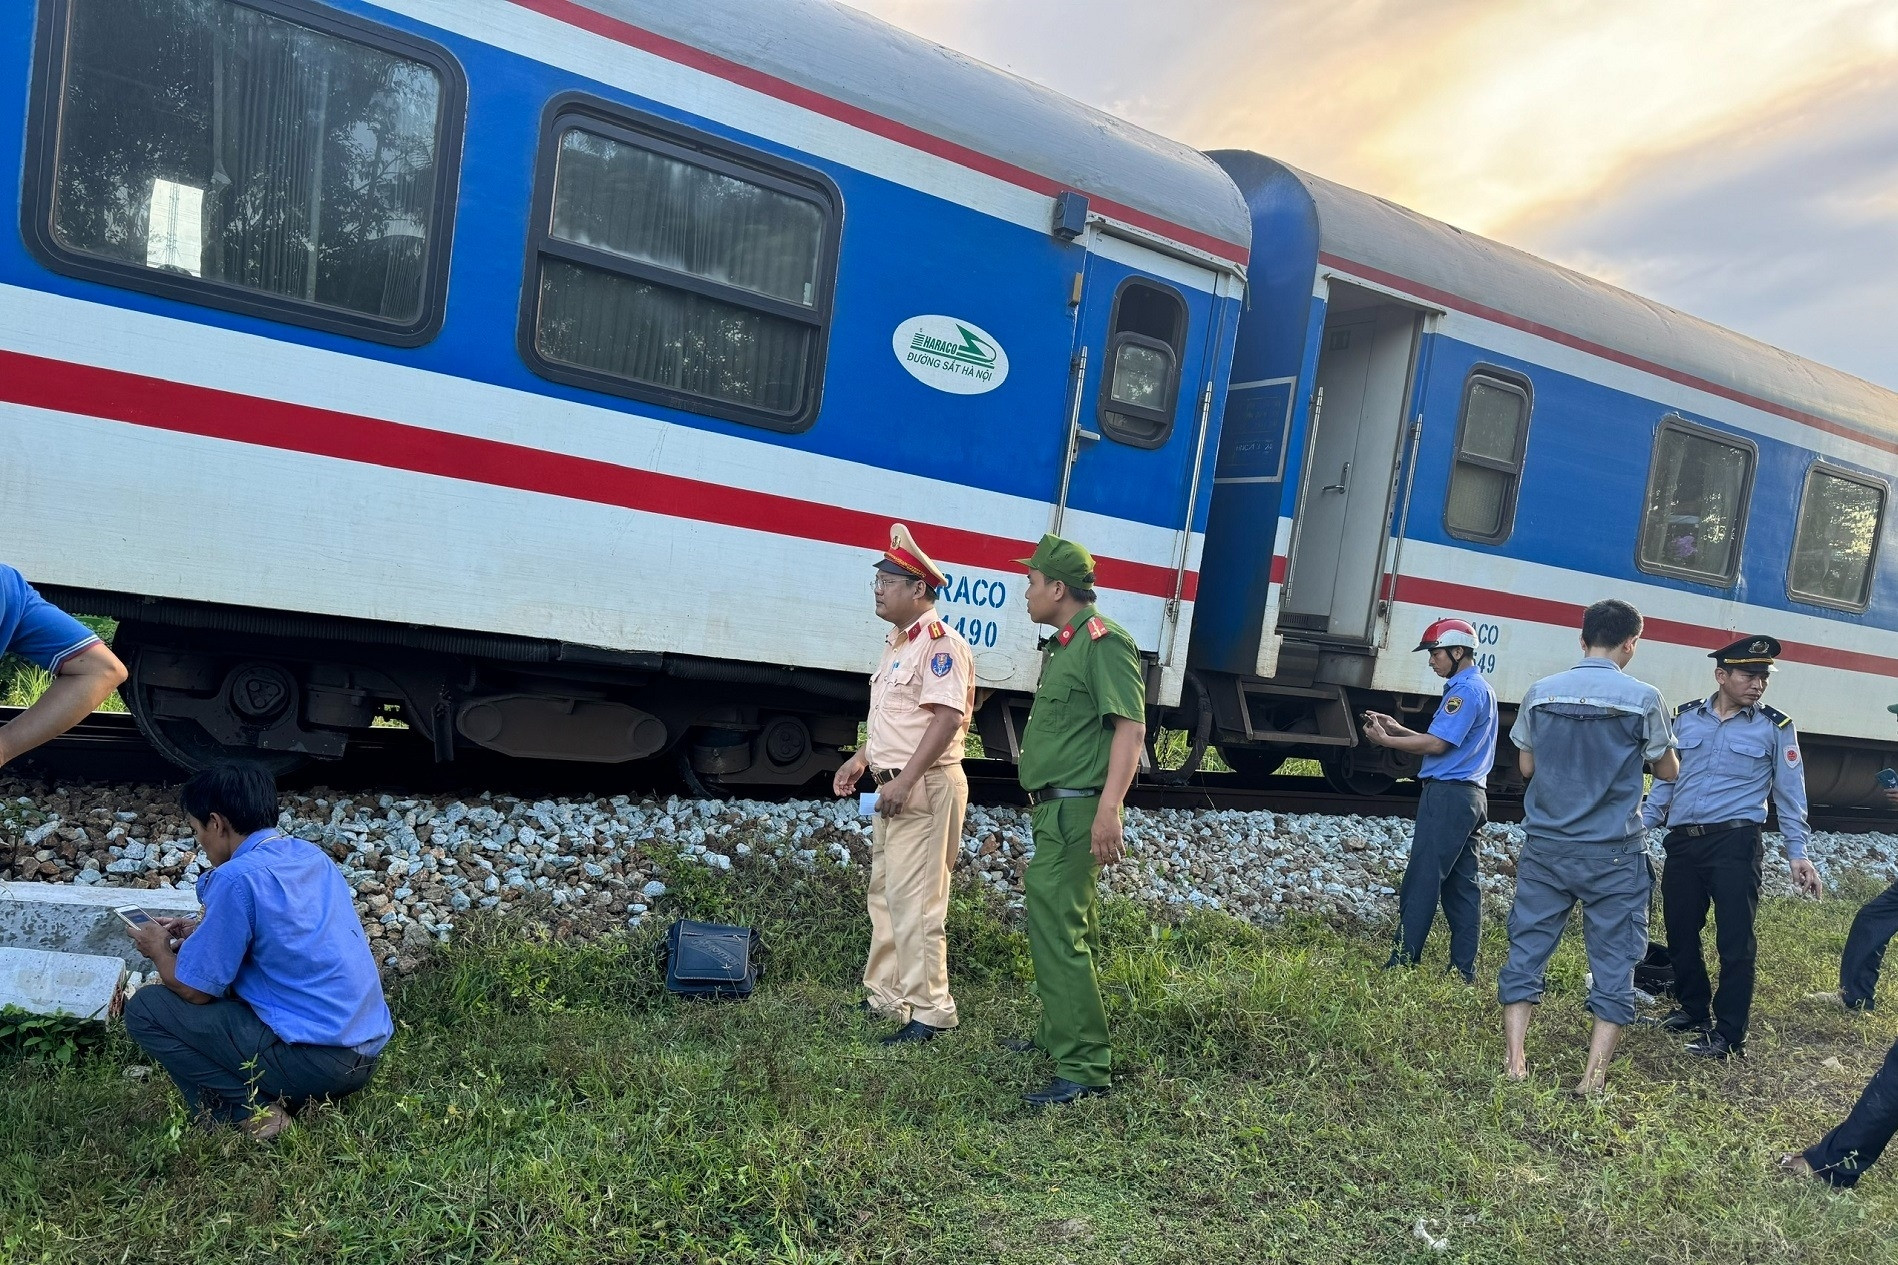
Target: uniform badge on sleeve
{"x":1453,"y":704}
{"x":941,"y":663}
{"x":1792,"y":755}
{"x":1096,"y":629}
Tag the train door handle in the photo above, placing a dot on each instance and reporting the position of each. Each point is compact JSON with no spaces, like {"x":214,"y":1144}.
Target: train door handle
{"x":1344,"y":477}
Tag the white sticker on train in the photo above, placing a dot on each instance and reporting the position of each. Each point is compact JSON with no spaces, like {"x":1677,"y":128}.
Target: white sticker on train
{"x":950,"y":355}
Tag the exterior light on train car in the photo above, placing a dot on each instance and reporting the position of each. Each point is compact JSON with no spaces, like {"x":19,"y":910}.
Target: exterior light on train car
{"x":1070,"y":215}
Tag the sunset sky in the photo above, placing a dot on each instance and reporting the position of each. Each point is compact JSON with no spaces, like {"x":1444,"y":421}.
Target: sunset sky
{"x":1737,"y":159}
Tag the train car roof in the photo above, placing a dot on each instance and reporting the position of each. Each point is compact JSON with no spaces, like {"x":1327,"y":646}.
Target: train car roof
{"x":860,"y":61}
{"x":1421,"y":255}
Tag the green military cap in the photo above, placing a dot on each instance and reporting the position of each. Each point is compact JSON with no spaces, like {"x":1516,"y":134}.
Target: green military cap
{"x":1062,"y":560}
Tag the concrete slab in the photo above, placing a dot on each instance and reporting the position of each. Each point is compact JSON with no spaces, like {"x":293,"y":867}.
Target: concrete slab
{"x":78,"y":984}
{"x":68,"y":918}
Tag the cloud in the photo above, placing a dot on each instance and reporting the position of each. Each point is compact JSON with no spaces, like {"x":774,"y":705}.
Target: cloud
{"x":1729,"y":157}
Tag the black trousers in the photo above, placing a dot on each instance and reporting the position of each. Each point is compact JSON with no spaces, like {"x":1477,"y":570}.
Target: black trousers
{"x":1723,"y":870}
{"x":1843,"y":1155}
{"x":1872,"y":928}
{"x":1442,"y":869}
{"x":227,"y":1062}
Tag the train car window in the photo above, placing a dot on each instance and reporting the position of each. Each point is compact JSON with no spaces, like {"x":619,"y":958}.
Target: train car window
{"x":1695,"y":513}
{"x":265,"y":156}
{"x":1492,"y":438}
{"x":1833,"y":548}
{"x":675,"y":268}
{"x":1146,"y":336}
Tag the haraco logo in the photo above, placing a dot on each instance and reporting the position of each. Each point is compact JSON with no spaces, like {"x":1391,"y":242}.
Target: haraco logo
{"x":950,"y":355}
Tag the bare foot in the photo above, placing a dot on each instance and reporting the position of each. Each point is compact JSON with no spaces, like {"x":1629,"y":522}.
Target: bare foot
{"x":267,"y":1123}
{"x":1516,"y":1071}
{"x":1796,"y":1165}
{"x":1592,"y":1085}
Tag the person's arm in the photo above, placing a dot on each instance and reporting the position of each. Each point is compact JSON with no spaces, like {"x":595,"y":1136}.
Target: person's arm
{"x":1667,"y":766}
{"x":1654,"y":807}
{"x":1789,"y":800}
{"x":1525,"y":763}
{"x":1662,"y":751}
{"x":944,"y":723}
{"x":1123,"y":761}
{"x":1384,"y":731}
{"x":80,"y":683}
{"x":1520,"y":737}
{"x":850,"y":773}
{"x":154,"y":941}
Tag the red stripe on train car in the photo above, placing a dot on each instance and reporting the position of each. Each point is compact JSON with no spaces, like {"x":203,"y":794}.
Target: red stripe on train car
{"x":622,"y":32}
{"x":64,"y":387}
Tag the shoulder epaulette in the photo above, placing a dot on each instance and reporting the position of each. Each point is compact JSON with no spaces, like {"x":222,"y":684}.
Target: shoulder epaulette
{"x":936,"y":630}
{"x":1684,"y":708}
{"x":1780,"y":719}
{"x":1096,"y":628}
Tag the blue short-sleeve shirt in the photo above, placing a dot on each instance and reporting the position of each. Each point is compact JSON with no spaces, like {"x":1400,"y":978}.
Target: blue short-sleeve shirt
{"x":1466,"y":719}
{"x":34,"y":628}
{"x":1591,"y":729}
{"x":280,"y":933}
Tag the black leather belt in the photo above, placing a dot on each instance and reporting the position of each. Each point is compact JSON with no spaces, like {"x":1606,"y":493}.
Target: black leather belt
{"x":1047,"y":793}
{"x":883,"y":776}
{"x":1711,"y":828}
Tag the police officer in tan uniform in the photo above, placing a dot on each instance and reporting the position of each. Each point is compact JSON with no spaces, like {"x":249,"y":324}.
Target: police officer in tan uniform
{"x":922,"y":696}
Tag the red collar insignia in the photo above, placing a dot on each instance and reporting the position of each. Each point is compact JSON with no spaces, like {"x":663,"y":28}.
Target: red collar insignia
{"x":1096,"y":629}
{"x":1065,"y":635}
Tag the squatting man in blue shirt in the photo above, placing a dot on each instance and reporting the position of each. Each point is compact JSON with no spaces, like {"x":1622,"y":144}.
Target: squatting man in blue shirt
{"x":1457,"y":751}
{"x":271,"y":997}
{"x":1582,"y":737}
{"x":1735,"y":753}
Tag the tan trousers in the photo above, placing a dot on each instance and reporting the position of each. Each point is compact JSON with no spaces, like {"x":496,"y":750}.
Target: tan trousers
{"x":910,"y":859}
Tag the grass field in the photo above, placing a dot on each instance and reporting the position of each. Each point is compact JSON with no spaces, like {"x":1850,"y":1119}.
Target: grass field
{"x":1278,"y":1098}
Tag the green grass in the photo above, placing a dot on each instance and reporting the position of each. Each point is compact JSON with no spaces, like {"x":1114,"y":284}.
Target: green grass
{"x":1278,"y":1098}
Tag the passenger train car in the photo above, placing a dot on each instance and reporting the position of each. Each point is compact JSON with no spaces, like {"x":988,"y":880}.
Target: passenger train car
{"x":547,"y":373}
{"x":1425,"y":423}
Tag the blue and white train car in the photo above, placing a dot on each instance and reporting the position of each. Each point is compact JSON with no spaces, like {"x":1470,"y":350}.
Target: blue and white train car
{"x":548,"y":371}
{"x":1422,"y":422}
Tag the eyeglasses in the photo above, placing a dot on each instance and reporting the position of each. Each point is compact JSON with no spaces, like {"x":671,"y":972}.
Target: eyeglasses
{"x":881,"y":582}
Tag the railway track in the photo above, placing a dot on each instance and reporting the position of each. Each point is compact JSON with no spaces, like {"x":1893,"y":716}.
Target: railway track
{"x":107,"y":747}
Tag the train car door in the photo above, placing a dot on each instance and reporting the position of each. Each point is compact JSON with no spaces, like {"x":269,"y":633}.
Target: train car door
{"x":1144,"y":353}
{"x":1360,"y":394}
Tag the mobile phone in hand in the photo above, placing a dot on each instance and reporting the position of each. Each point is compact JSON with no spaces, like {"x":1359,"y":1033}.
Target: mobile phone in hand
{"x":132,"y":916}
{"x":1888,"y":778}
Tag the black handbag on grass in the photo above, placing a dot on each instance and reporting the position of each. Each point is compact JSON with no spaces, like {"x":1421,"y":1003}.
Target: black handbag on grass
{"x":709,"y":959}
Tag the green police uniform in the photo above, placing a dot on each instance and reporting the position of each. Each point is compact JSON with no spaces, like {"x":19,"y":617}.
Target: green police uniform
{"x":1090,"y":673}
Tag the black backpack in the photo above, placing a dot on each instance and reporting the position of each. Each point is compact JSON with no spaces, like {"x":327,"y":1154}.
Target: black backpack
{"x":709,"y":959}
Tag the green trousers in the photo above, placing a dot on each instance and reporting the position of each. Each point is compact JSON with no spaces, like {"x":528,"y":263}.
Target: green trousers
{"x":1064,"y":936}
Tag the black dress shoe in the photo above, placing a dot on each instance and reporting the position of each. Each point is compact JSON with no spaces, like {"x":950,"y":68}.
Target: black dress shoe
{"x":1715,"y":1046}
{"x":911,"y":1032}
{"x":1681,"y":1021}
{"x":1020,"y":1045}
{"x":1060,"y":1091}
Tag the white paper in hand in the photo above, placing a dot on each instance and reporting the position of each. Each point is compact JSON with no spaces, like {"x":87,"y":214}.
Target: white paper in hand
{"x":867,"y":804}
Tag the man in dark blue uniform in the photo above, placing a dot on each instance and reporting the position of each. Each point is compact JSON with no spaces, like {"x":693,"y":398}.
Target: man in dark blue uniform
{"x":84,"y":671}
{"x":1735,"y":753}
{"x":1457,"y":751}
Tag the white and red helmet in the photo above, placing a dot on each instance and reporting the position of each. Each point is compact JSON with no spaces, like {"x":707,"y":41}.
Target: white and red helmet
{"x":1444,"y":633}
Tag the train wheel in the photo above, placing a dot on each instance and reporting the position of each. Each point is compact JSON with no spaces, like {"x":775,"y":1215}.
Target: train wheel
{"x":1344,"y":774}
{"x":187,"y":743}
{"x":1254,"y":764}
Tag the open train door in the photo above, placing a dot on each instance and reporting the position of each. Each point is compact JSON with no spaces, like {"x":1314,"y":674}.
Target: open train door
{"x":1348,"y":490}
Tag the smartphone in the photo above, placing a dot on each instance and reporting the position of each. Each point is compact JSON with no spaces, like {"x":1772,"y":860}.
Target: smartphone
{"x":132,"y":915}
{"x":1888,"y":778}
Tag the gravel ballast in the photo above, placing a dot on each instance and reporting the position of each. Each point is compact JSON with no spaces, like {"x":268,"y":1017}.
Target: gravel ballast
{"x":418,"y":864}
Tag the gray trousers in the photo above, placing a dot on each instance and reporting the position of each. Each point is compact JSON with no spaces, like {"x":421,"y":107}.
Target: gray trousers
{"x":1612,"y":883}
{"x":227,"y":1062}
{"x":1442,"y":870}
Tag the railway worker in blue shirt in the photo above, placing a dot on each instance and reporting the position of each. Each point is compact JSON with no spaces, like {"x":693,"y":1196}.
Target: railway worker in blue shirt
{"x":1735,"y":753}
{"x":1581,"y":737}
{"x":84,"y":671}
{"x":1457,"y":750}
{"x":271,"y":997}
